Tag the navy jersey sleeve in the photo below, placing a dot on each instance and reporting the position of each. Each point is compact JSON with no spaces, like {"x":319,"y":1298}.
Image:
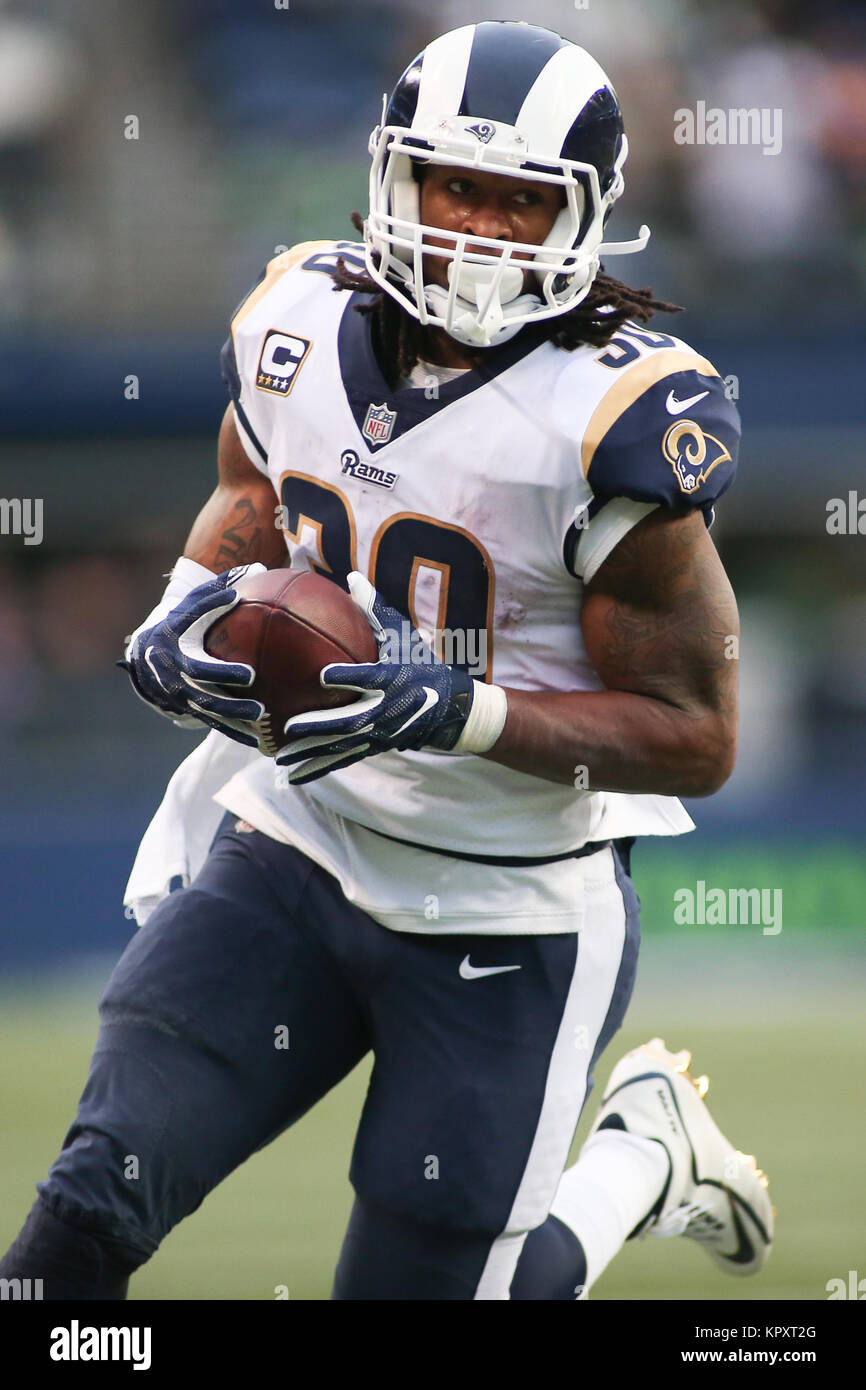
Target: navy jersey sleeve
{"x":675,"y":446}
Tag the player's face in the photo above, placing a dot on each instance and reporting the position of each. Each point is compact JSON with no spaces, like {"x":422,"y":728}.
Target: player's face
{"x":486,"y":205}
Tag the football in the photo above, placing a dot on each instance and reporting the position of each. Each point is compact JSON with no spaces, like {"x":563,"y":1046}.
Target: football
{"x":287,"y":626}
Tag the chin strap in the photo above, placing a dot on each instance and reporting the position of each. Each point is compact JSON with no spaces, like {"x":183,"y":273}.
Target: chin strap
{"x":486,"y":298}
{"x":491,"y":330}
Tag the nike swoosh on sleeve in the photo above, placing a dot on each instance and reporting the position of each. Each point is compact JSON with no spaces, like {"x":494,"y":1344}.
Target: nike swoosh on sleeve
{"x":675,"y":407}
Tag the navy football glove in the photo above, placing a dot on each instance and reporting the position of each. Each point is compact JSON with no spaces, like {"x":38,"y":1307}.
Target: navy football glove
{"x":169,"y":667}
{"x":408,"y":699}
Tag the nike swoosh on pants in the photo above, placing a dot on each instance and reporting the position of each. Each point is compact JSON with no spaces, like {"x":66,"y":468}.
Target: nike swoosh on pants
{"x":475,"y":972}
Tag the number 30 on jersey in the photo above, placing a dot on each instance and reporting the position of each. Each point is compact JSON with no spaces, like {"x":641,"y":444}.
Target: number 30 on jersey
{"x":406,"y":547}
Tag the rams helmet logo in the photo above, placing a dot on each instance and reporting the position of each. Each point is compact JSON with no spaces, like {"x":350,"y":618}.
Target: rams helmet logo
{"x":687,"y":448}
{"x":484,"y":130}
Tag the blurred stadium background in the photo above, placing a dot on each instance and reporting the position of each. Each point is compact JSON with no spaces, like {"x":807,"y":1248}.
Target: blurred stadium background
{"x":124,"y":257}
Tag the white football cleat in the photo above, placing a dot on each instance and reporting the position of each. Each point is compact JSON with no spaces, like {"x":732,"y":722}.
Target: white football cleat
{"x":714,"y":1194}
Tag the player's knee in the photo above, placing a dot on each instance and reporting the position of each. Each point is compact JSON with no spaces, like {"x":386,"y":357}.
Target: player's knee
{"x":106,"y":1175}
{"x":148,"y":1142}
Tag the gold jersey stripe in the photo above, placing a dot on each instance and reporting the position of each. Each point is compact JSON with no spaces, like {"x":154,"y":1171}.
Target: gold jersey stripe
{"x":663,"y":362}
{"x":286,"y":260}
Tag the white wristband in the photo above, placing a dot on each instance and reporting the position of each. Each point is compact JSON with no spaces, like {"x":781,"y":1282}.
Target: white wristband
{"x":486,"y":719}
{"x":186,"y":576}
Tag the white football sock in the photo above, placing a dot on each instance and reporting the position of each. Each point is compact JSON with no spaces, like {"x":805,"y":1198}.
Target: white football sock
{"x":615,"y":1183}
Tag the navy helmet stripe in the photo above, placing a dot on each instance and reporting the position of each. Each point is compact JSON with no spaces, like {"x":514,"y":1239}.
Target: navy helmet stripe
{"x":404,"y":101}
{"x":566,"y":92}
{"x":596,"y":135}
{"x":504,"y":62}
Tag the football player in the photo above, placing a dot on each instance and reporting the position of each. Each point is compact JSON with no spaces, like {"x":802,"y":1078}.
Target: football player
{"x":465,"y":424}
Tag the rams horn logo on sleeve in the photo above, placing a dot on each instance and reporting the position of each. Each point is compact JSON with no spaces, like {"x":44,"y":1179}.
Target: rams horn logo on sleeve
{"x":685,"y":448}
{"x":282,"y":356}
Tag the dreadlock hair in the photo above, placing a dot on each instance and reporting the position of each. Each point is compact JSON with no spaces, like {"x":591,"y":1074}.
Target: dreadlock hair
{"x":401,"y":339}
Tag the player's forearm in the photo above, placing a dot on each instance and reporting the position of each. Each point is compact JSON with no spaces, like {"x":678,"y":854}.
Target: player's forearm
{"x":236,"y":527}
{"x":612,"y":740}
{"x":236,"y":524}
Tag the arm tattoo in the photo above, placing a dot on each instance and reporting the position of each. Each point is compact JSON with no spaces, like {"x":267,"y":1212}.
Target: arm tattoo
{"x":240,"y":541}
{"x":660,"y":619}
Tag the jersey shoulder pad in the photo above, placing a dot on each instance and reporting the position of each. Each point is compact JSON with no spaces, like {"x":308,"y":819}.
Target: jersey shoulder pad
{"x":265,"y":350}
{"x":321,"y":256}
{"x":664,"y":433}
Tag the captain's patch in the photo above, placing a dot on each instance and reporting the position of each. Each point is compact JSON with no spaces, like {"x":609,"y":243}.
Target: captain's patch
{"x":281,"y":358}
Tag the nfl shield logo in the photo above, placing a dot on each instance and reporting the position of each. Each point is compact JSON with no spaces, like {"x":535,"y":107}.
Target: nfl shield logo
{"x":379,"y":424}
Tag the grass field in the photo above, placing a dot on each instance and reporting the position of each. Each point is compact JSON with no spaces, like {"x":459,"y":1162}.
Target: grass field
{"x":777,"y":1022}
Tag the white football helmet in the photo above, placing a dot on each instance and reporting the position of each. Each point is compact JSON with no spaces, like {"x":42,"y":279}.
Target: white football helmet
{"x":510,"y":99}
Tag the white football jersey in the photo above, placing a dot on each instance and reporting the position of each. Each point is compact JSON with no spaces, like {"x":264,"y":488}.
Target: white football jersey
{"x":479,"y":508}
